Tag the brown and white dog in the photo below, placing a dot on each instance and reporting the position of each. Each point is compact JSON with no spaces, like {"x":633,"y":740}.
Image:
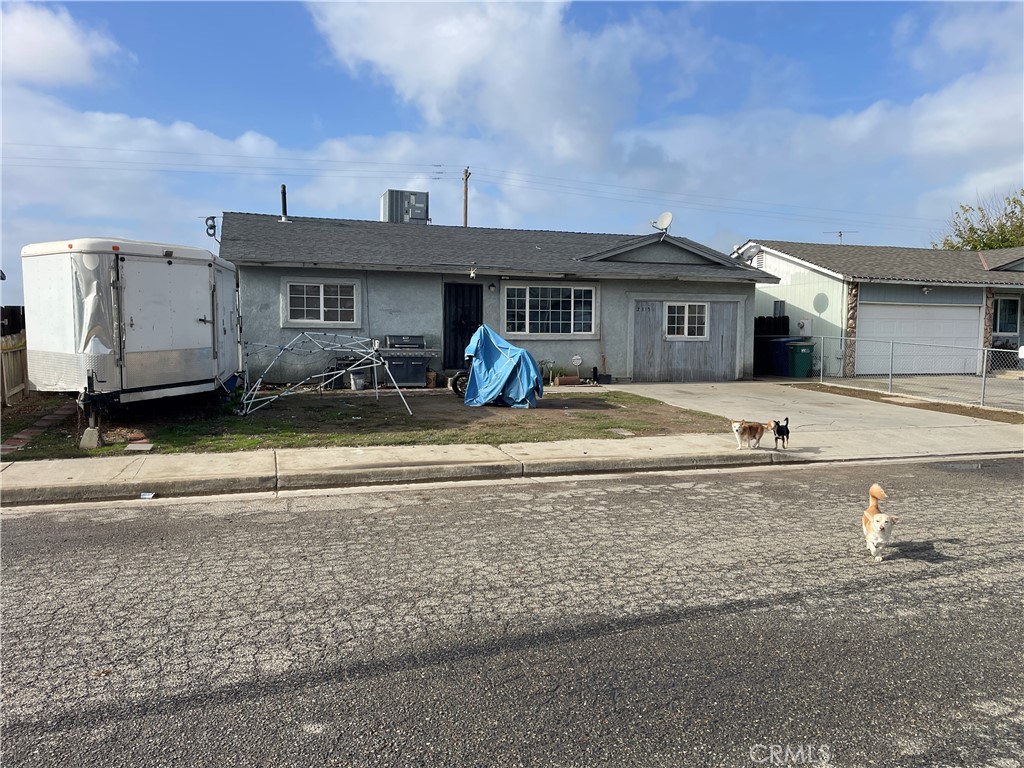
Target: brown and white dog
{"x":877,"y":526}
{"x":750,"y":431}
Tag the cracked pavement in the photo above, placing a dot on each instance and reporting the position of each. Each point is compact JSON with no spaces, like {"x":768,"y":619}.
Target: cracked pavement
{"x":689,"y":618}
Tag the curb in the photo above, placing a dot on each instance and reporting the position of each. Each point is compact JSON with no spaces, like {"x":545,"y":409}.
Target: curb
{"x":68,"y":494}
{"x":325,"y":478}
{"x":273,"y":478}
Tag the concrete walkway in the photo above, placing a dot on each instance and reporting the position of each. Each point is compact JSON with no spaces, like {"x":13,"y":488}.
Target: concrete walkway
{"x":824,"y":428}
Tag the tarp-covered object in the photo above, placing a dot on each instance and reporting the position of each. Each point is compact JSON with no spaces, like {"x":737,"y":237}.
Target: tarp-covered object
{"x":501,"y":372}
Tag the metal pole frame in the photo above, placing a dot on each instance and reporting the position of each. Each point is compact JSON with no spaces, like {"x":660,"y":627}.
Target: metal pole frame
{"x":821,"y":371}
{"x":891,"y":349}
{"x":366,"y":351}
{"x":984,"y":374}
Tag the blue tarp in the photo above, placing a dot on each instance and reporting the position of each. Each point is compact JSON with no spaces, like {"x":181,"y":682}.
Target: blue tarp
{"x":501,"y":372}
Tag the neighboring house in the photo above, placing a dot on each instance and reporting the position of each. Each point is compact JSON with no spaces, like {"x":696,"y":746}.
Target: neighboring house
{"x":647,"y":308}
{"x":966,"y":299}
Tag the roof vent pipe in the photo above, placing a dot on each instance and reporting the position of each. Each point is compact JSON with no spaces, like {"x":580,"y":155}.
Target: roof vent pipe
{"x":284,"y":203}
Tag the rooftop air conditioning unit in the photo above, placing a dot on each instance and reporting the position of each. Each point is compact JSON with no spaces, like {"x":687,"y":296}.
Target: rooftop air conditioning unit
{"x":400,"y":206}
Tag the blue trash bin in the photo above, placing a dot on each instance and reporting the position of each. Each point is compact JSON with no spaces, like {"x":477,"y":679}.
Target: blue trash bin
{"x":780,"y":354}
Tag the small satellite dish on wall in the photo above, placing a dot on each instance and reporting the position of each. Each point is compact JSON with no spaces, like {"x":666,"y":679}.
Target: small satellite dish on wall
{"x":663,"y":222}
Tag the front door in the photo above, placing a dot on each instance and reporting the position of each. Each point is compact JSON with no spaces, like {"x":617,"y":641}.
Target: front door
{"x":463,"y":314}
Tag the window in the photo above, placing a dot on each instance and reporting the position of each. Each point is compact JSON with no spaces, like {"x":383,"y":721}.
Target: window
{"x":779,"y":309}
{"x":320,"y":303}
{"x":1006,"y":315}
{"x":549,"y":309}
{"x":686,"y":321}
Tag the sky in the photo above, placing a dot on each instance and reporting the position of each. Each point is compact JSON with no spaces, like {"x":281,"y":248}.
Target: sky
{"x":745,"y":120}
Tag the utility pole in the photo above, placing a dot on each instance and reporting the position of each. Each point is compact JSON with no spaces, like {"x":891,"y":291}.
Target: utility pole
{"x":465,"y":197}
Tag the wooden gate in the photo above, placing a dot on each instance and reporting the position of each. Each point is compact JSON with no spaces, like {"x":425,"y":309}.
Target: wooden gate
{"x":658,"y":359}
{"x":13,"y":368}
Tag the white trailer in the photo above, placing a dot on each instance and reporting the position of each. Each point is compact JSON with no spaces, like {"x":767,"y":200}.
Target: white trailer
{"x":121,"y":321}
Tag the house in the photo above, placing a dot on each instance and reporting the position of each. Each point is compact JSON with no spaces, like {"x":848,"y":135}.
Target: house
{"x":651,"y":307}
{"x":964,"y":299}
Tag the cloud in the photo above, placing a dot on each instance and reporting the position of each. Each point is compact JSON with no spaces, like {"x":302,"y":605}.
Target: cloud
{"x":544,"y":103}
{"x":960,"y":34}
{"x":542,"y":93}
{"x":144,"y":180}
{"x":513,"y":70}
{"x":43,"y":45}
{"x":962,"y":136}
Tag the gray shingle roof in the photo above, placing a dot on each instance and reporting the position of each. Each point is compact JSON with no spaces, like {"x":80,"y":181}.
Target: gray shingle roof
{"x":248,"y":238}
{"x":918,"y":265}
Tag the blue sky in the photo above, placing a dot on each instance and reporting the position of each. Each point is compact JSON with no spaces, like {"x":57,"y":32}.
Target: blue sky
{"x":786,"y":121}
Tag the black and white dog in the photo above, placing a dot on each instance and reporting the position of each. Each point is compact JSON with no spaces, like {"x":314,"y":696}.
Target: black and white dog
{"x":781,"y":430}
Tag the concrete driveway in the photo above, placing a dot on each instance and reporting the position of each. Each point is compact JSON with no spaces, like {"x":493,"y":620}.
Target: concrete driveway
{"x":842,"y":427}
{"x":807,"y":410}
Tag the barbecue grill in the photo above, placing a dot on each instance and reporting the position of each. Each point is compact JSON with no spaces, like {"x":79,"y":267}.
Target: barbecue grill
{"x":407,"y":358}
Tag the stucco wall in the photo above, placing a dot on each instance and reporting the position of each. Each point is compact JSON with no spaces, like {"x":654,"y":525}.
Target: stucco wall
{"x":394,"y":303}
{"x":816,"y":299}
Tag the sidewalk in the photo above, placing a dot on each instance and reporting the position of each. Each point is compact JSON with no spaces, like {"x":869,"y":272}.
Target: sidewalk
{"x":825,"y":428}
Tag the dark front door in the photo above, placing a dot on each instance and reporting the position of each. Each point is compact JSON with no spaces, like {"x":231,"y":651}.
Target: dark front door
{"x":463,"y":314}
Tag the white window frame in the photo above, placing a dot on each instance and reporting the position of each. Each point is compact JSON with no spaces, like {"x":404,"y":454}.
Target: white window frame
{"x":995,"y":315}
{"x":593,"y":333}
{"x":357,"y":293}
{"x":687,"y":305}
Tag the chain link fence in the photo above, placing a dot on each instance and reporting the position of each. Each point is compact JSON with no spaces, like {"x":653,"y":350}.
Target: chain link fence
{"x":968,"y":375}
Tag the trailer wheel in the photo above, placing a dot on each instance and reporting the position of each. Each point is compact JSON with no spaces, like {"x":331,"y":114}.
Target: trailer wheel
{"x":459,"y":383}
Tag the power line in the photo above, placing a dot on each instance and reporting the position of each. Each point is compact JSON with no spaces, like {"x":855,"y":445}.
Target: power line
{"x":667,"y":198}
{"x":495,"y":175}
{"x":367,"y":169}
{"x":216,"y":154}
{"x":230,"y":170}
{"x":706,"y":197}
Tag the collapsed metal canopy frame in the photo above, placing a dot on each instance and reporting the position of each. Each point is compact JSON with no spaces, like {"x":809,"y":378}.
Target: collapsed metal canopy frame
{"x":338,"y":354}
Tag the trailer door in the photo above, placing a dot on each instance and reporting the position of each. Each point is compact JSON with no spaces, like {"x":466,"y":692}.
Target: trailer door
{"x":225,"y":342}
{"x":167,"y":321}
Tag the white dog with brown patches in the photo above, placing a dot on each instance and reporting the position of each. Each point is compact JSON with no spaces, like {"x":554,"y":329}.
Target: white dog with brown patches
{"x":750,"y":431}
{"x":877,"y":526}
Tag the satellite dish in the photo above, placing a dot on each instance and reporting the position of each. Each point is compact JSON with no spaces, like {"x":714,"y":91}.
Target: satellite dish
{"x":663,"y":222}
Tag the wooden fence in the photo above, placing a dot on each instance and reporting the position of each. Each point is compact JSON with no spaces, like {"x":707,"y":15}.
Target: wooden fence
{"x":14,"y":365}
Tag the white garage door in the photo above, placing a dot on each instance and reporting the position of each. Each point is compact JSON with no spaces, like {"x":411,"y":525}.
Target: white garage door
{"x":917,"y":325}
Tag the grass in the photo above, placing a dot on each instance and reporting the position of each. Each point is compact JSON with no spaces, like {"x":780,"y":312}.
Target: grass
{"x":343,"y":418}
{"x":205,"y":424}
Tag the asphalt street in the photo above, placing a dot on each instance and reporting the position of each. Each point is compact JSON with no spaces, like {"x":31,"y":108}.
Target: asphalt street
{"x":712,"y":618}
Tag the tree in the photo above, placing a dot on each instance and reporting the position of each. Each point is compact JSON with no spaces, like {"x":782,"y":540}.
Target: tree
{"x":988,"y":225}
